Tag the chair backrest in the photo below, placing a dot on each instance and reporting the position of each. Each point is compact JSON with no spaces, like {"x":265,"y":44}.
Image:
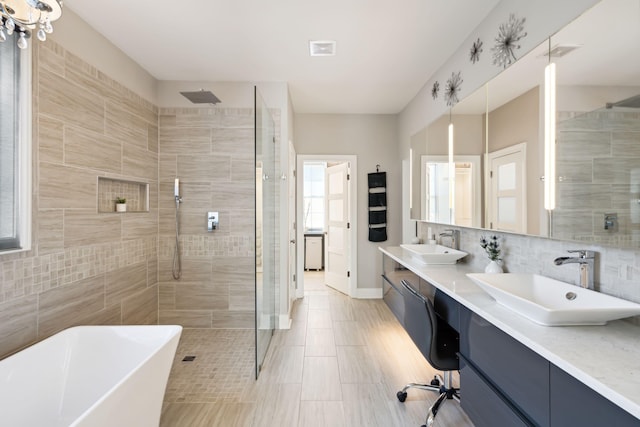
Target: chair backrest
{"x":436,"y":340}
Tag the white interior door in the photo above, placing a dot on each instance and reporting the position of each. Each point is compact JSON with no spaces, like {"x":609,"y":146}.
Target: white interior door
{"x":507,"y":192}
{"x":337,"y":224}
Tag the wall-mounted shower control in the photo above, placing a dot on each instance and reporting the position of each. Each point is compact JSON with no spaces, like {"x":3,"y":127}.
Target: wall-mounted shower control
{"x":212,"y":221}
{"x":611,"y":221}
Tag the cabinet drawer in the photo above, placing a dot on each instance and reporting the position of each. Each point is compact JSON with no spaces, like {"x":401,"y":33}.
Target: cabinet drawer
{"x":512,"y":368}
{"x":575,"y":404}
{"x":484,"y":405}
{"x":393,"y":298}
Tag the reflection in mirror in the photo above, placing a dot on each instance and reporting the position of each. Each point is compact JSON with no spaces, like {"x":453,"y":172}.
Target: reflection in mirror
{"x":514,"y":162}
{"x":597,"y":148}
{"x":430,"y":169}
{"x":598,"y":139}
{"x":418,"y":149}
{"x":467,"y":210}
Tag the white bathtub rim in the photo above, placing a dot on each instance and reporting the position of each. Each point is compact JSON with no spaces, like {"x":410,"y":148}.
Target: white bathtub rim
{"x":171,"y":336}
{"x":177,"y":331}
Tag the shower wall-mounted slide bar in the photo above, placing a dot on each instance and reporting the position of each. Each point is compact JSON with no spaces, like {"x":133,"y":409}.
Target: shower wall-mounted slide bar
{"x":176,"y":269}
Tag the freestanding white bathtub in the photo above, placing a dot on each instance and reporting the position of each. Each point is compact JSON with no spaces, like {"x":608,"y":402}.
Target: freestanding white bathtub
{"x":90,"y":376}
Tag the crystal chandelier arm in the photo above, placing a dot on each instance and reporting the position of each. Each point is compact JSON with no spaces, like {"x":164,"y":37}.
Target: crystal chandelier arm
{"x":25,"y":15}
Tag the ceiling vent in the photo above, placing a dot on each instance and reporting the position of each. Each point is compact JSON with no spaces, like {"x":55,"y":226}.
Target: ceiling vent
{"x":560,"y":50}
{"x":322,"y":48}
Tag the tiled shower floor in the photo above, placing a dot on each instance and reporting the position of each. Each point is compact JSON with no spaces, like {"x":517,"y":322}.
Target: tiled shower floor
{"x":220,"y":371}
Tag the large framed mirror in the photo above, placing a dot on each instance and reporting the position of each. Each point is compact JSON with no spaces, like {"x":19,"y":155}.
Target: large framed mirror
{"x":597,"y":139}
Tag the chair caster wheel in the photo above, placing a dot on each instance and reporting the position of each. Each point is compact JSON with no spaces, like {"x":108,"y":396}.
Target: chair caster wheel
{"x":401,"y":395}
{"x":435,"y":382}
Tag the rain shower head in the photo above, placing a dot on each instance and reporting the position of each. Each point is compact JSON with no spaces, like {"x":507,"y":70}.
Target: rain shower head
{"x":633,"y":102}
{"x":201,"y":97}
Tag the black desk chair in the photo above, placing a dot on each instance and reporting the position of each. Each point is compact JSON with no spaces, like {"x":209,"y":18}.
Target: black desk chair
{"x":438,"y":342}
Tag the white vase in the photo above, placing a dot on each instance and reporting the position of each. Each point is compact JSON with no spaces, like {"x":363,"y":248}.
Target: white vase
{"x":121,"y":207}
{"x":493,"y":268}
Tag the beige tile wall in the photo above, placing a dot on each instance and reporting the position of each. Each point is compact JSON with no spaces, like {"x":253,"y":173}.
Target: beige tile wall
{"x":93,"y":267}
{"x":85,"y":267}
{"x":211,"y":151}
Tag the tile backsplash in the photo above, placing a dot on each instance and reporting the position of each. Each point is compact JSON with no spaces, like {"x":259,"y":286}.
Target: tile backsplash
{"x":617,"y":271}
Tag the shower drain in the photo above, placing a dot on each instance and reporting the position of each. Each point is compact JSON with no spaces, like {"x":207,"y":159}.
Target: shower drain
{"x":189,"y":359}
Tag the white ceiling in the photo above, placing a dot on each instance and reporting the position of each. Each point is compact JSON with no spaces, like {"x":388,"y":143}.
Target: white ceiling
{"x":386,"y":50}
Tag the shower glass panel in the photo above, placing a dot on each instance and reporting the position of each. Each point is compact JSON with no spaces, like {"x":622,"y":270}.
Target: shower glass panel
{"x":265,"y":229}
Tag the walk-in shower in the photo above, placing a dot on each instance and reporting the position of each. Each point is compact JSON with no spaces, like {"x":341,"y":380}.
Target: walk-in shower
{"x":176,"y":267}
{"x":218,"y":268}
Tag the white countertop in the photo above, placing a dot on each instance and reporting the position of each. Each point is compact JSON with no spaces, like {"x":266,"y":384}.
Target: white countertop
{"x":605,"y":358}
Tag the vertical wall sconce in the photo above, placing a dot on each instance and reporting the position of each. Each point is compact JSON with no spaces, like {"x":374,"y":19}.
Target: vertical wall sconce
{"x":550,"y":134}
{"x":411,"y":180}
{"x":452,"y":174}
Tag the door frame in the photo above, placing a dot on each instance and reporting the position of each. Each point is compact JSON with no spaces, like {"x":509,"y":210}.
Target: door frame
{"x":352,"y":262}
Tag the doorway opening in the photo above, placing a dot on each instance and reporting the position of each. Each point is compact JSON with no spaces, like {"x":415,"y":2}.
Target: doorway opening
{"x":326,"y":215}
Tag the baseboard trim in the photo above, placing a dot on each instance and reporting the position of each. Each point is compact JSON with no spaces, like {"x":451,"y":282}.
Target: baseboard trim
{"x":368,"y":293}
{"x":284,"y":321}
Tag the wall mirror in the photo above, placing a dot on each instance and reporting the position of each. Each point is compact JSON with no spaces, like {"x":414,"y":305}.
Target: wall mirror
{"x":597,"y":138}
{"x":435,"y":196}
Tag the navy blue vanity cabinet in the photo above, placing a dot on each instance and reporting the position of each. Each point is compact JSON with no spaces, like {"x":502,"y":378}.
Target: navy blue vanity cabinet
{"x":511,"y":373}
{"x":575,"y":404}
{"x":482,"y":404}
{"x":392,"y":274}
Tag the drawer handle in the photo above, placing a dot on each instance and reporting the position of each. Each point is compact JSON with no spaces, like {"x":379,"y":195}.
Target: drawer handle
{"x":413,"y":292}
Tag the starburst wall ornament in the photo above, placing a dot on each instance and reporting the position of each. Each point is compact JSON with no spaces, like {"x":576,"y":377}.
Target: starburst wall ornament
{"x":476,"y":50}
{"x":509,"y":34}
{"x":435,"y":90}
{"x":452,"y":89}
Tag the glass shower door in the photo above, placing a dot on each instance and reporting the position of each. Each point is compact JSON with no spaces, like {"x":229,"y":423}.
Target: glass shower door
{"x":265,"y":229}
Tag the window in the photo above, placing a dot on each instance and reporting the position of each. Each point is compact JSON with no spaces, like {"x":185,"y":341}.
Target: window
{"x":314,"y":196}
{"x":15,"y":146}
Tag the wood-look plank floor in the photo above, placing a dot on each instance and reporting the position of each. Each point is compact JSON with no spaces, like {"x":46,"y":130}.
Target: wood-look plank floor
{"x":340,"y":364}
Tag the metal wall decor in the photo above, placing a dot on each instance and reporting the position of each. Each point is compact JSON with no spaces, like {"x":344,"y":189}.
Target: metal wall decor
{"x":509,"y":34}
{"x":476,"y":50}
{"x":452,"y":89}
{"x":435,"y":90}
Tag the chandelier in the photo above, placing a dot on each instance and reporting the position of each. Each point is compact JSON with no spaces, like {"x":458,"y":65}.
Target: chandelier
{"x":23,"y":16}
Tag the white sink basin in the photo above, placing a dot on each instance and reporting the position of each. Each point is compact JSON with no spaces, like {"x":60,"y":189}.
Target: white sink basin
{"x":434,"y":254}
{"x":551,"y":302}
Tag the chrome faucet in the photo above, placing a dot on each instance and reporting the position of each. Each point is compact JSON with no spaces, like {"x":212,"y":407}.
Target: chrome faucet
{"x":454,"y":235}
{"x":586,"y":259}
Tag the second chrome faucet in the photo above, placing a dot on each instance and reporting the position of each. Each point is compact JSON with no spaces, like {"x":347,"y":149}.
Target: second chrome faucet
{"x":454,"y":235}
{"x":586,"y":259}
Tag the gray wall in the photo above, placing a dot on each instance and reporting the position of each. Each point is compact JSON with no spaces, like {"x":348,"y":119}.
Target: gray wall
{"x":372,"y":138}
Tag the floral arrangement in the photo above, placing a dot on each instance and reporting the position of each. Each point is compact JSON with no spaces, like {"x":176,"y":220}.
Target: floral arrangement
{"x":491,"y":246}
